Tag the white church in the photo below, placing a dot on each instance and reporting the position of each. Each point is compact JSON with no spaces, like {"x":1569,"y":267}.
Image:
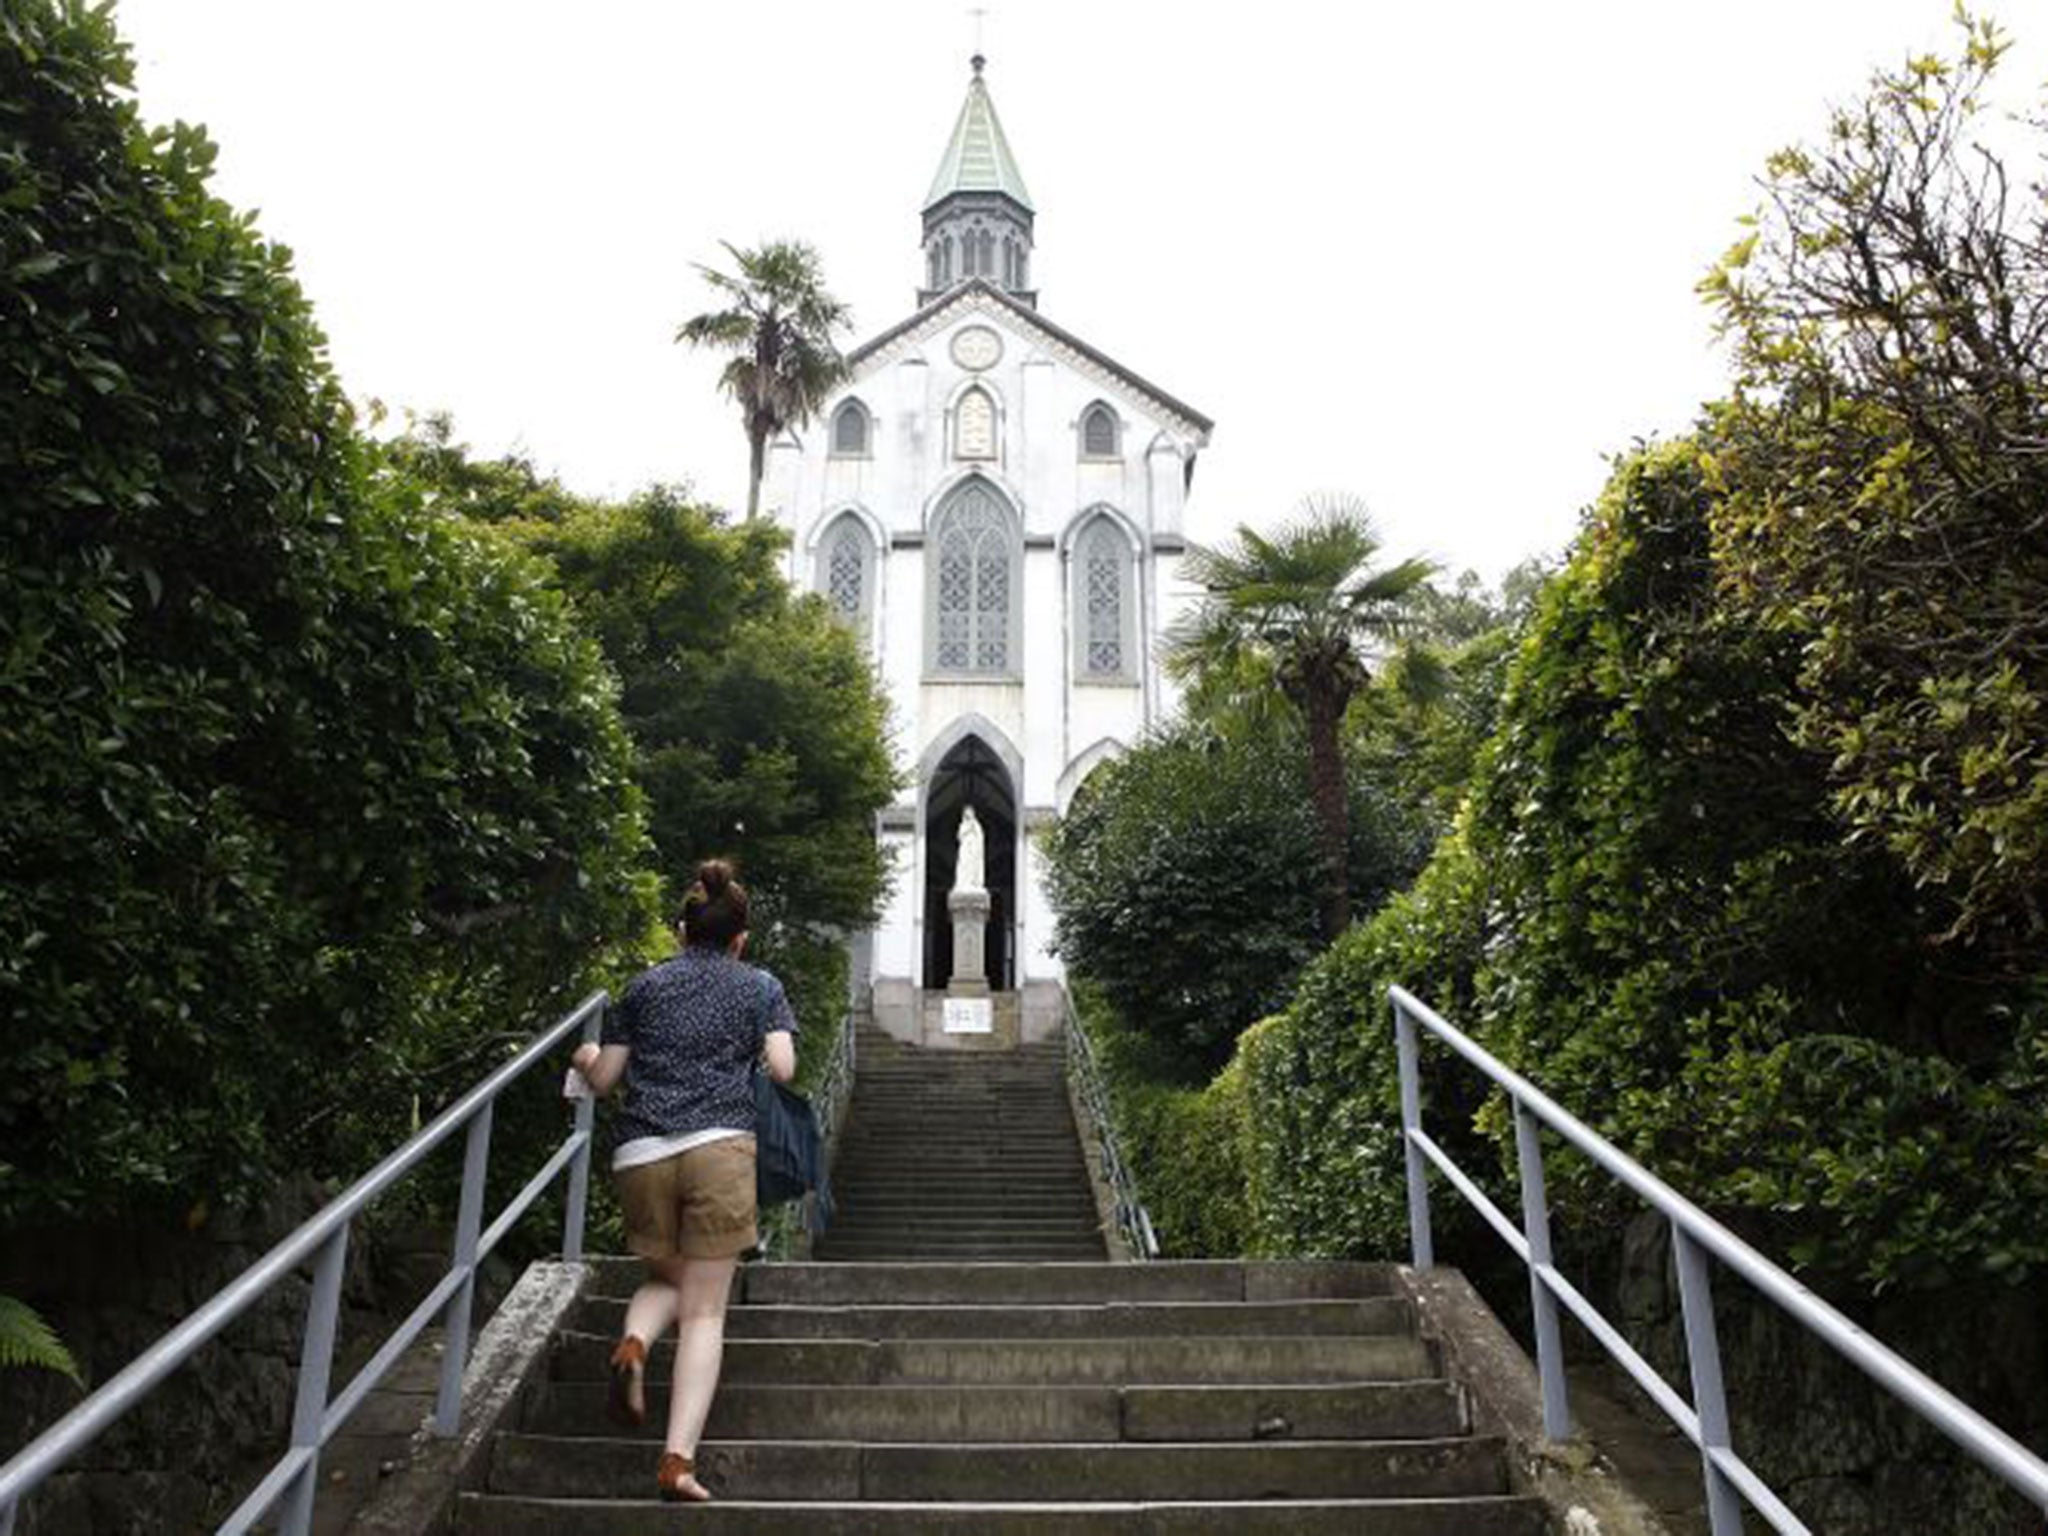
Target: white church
{"x":996,"y":507}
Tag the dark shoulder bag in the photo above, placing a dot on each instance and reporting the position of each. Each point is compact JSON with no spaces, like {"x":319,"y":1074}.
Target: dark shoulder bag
{"x":790,"y":1156}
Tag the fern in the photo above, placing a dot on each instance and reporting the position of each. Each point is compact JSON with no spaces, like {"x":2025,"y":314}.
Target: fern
{"x":26,"y":1340}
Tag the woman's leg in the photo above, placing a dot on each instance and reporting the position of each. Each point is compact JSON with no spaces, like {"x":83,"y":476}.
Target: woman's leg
{"x":653,"y":1306}
{"x":702,"y":1286}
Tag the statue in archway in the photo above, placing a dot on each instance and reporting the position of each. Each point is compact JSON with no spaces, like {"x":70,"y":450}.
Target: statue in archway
{"x":970,"y":870}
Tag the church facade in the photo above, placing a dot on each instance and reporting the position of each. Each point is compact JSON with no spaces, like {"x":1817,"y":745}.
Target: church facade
{"x":995,"y":506}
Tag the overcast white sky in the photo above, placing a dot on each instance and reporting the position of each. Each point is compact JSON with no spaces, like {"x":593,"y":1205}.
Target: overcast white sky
{"x":1442,"y":257}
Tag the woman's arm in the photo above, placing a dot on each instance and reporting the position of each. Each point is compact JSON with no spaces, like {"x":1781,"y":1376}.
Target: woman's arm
{"x":778,"y":1053}
{"x":601,"y":1066}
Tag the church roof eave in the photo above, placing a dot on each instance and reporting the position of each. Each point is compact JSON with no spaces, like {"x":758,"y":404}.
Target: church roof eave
{"x":1024,"y":314}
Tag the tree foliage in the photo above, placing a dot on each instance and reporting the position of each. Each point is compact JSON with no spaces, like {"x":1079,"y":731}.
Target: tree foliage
{"x":760,"y":727}
{"x":1183,"y":876}
{"x":1304,"y":611}
{"x":309,"y":794}
{"x":1651,"y":905}
{"x":1886,"y":466}
{"x":777,"y":322}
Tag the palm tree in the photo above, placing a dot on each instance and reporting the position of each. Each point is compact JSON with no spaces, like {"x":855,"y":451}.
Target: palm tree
{"x":778,"y":325}
{"x":1306,"y":610}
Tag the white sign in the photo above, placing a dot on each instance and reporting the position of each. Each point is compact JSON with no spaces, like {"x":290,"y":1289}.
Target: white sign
{"x":970,"y":1016}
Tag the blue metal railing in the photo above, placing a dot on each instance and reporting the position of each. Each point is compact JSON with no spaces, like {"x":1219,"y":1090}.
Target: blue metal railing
{"x":291,"y":1483}
{"x":1133,"y":1221}
{"x":1730,"y":1482}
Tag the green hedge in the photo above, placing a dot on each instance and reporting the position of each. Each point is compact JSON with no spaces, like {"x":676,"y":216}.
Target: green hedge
{"x":311,"y":797}
{"x":1649,"y":906}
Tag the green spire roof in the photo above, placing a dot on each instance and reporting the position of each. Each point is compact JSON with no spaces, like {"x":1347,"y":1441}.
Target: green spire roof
{"x":978,"y":157}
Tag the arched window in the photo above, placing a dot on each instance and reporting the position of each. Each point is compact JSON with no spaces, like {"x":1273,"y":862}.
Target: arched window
{"x":931,"y":266}
{"x":1098,"y":432}
{"x":988,"y":254}
{"x":846,"y":571}
{"x":1102,"y":602}
{"x":850,"y":431}
{"x":1009,"y":262}
{"x":974,"y":426}
{"x":946,"y":261}
{"x":974,"y":586}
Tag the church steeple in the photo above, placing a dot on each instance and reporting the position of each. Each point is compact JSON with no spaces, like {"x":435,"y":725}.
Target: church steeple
{"x":978,"y":215}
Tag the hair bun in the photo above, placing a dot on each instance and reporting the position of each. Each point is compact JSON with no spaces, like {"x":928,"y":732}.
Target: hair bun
{"x":714,"y":875}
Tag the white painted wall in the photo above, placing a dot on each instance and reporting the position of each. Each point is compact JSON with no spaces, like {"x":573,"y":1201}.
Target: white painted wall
{"x":1041,"y":387}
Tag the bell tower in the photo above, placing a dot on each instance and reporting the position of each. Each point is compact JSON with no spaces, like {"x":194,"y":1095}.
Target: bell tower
{"x":977,"y":216}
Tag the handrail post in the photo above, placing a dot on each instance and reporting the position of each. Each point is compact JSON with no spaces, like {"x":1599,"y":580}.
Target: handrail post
{"x":578,"y":1202}
{"x":1406,"y":1053}
{"x":1709,"y":1399}
{"x":476,"y":1161}
{"x":1557,"y":1416}
{"x":316,"y":1364}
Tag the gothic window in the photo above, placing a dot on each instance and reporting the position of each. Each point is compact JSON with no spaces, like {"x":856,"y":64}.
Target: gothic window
{"x":850,"y":431}
{"x":846,"y":572}
{"x":931,"y":266}
{"x":1009,"y":262}
{"x":988,"y":254}
{"x":974,"y":426}
{"x":946,"y":261}
{"x":969,"y":249}
{"x":1102,"y":600}
{"x":1098,"y":432}
{"x":974,"y":605}
{"x":1023,"y":268}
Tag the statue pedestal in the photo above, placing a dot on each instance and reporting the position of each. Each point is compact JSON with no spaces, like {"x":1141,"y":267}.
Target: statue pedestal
{"x":970,"y":909}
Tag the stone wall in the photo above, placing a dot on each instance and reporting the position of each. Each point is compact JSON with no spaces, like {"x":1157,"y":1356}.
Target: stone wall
{"x":1849,"y":1459}
{"x":181,"y":1460}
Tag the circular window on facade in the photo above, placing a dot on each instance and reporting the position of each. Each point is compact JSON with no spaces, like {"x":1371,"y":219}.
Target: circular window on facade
{"x":977,"y":347}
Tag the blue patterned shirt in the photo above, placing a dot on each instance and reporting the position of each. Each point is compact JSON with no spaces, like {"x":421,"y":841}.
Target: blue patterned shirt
{"x":694,"y":1026}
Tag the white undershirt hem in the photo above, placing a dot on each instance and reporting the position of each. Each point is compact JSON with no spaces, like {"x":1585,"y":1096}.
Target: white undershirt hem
{"x":652,"y":1149}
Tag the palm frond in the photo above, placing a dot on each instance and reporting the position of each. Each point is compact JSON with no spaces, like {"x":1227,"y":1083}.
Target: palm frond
{"x":1305,"y":598}
{"x":27,"y":1342}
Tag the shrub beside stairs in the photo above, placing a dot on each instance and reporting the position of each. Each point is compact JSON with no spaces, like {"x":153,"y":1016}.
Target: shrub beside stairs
{"x":979,"y":1379}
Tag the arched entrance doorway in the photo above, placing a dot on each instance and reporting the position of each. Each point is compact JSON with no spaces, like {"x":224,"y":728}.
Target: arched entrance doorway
{"x":970,"y":774}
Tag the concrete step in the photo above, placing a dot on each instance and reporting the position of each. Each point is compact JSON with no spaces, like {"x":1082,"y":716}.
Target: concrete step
{"x":1078,"y":1473}
{"x":1080,"y":1242}
{"x":940,"y":1200}
{"x":1034,"y":1415}
{"x":1054,"y":1284}
{"x":897,"y":1251}
{"x":606,"y":1315}
{"x":853,"y":1227}
{"x":1035,"y":1362}
{"x":491,"y":1515}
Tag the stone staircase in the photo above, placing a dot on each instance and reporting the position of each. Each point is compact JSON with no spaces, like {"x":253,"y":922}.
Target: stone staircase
{"x":1023,"y":1400}
{"x":960,"y":1153}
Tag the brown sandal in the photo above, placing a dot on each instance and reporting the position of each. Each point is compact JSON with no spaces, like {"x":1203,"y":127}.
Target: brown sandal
{"x":674,"y":1471}
{"x":626,"y":1398}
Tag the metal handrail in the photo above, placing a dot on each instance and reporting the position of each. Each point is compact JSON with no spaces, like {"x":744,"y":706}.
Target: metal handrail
{"x":323,"y":1239}
{"x":1695,"y":1236}
{"x":1132,"y":1219}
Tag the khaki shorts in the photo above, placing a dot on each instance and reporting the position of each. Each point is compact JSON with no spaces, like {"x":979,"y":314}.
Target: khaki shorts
{"x":698,"y":1204}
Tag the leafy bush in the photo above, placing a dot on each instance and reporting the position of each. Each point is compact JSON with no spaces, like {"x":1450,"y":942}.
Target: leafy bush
{"x":759,"y":724}
{"x":1885,"y":485}
{"x":310,"y":795}
{"x":1184,"y":1140}
{"x":1651,"y":907}
{"x":1185,"y":879}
